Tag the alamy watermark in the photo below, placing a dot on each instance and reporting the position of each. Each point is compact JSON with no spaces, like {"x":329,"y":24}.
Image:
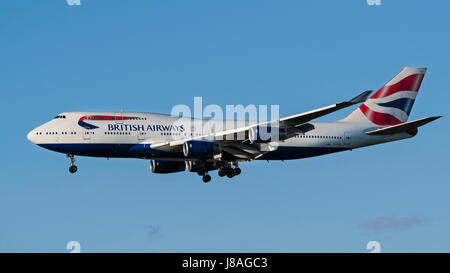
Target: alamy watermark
{"x":235,"y":122}
{"x":373,"y":2}
{"x":374,"y":247}
{"x":73,"y":247}
{"x":73,"y":2}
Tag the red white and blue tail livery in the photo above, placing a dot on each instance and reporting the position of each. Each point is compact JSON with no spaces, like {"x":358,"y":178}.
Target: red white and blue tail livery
{"x":392,"y":104}
{"x":172,"y":143}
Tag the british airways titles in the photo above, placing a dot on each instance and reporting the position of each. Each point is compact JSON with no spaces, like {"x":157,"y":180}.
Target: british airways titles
{"x":154,"y":127}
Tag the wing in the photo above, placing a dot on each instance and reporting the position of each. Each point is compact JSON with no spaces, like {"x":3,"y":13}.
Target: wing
{"x":299,"y":119}
{"x":241,"y":148}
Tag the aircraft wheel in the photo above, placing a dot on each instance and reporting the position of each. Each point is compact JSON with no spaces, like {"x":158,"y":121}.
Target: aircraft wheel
{"x":73,"y":169}
{"x":221,"y":173}
{"x":206,"y":178}
{"x":230,"y":173}
{"x":237,"y":171}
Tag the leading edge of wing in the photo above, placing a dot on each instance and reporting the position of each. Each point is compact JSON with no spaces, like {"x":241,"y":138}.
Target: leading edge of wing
{"x":301,"y":118}
{"x":291,"y":121}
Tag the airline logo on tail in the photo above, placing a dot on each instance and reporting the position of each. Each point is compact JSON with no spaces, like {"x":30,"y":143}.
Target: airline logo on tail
{"x":392,"y":104}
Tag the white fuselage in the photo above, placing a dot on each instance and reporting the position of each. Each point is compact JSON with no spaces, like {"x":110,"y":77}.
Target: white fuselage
{"x":116,"y":134}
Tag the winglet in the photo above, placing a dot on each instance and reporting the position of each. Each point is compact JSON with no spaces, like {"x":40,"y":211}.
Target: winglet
{"x":361,"y":97}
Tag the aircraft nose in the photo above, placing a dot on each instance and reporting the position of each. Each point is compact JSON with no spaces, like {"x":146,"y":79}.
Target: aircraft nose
{"x":31,"y":136}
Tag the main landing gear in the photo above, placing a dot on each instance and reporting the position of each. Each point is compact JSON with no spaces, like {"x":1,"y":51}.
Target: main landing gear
{"x":72,"y":168}
{"x":229,"y":171}
{"x":206,"y":178}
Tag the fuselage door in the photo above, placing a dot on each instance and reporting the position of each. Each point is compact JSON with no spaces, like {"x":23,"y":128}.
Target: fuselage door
{"x":86,"y":135}
{"x":347,"y":138}
{"x":141,"y":135}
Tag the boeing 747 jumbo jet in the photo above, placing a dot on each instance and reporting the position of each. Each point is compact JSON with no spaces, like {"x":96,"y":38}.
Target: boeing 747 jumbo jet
{"x":171,"y":143}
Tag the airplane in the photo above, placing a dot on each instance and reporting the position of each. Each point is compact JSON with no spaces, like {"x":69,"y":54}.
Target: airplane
{"x":171,"y":142}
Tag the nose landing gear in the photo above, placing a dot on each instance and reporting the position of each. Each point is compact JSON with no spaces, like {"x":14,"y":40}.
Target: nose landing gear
{"x":72,"y":168}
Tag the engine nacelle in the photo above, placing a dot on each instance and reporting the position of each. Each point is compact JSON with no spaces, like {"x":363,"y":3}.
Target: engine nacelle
{"x":200,"y":149}
{"x":265,"y":134}
{"x":201,"y":166}
{"x":166,"y":166}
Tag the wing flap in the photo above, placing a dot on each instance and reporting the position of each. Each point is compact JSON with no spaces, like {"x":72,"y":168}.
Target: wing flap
{"x":236,"y":152}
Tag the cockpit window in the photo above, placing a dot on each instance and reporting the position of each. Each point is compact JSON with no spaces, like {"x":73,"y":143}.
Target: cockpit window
{"x":60,"y":116}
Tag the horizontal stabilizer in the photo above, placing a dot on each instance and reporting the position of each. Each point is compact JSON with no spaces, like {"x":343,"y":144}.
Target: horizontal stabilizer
{"x":403,"y":127}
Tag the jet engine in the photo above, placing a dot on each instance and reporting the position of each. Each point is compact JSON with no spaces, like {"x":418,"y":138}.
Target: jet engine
{"x":200,"y":149}
{"x":201,"y":166}
{"x":166,"y":166}
{"x":266,"y":133}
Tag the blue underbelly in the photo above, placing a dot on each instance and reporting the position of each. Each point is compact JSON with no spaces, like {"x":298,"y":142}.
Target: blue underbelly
{"x":144,"y":151}
{"x":293,"y":152}
{"x":110,"y":150}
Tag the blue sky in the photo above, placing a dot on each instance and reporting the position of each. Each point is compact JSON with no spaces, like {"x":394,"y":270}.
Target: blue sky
{"x":152,"y":55}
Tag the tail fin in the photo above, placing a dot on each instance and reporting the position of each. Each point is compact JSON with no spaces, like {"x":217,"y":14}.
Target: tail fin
{"x":392,"y":104}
